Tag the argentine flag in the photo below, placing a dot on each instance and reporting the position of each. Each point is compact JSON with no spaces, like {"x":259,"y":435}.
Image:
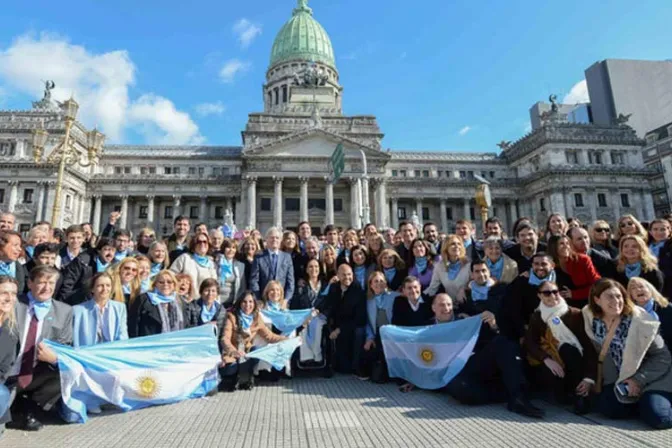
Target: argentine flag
{"x":276,"y":354}
{"x":140,"y":372}
{"x":287,"y":320}
{"x":429,"y":357}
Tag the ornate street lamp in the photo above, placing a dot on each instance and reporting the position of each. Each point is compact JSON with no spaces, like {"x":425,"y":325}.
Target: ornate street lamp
{"x":65,"y":152}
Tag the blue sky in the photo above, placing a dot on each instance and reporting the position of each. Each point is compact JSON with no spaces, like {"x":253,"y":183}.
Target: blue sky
{"x":438,"y":74}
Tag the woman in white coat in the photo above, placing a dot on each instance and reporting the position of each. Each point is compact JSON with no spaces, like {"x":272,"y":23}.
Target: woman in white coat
{"x":197,"y":263}
{"x":453,"y":271}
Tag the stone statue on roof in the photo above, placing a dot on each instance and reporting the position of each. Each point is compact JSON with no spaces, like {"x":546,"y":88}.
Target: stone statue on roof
{"x":46,"y":103}
{"x":622,"y":119}
{"x":553,"y":99}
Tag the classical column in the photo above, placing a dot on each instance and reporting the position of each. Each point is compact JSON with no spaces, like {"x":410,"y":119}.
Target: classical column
{"x":97,"y":211}
{"x":150,"y":210}
{"x":590,"y":197}
{"x":382,"y":199}
{"x":81,"y":214}
{"x":444,"y":215}
{"x":277,"y":202}
{"x":304,"y":199}
{"x":465,"y":210}
{"x":395,"y":212}
{"x":639,"y":206}
{"x":203,"y":212}
{"x":13,"y":195}
{"x":418,"y":211}
{"x":513,"y":216}
{"x":649,"y":210}
{"x":354,"y":209}
{"x":252,"y":202}
{"x":41,"y":186}
{"x":616,"y":204}
{"x":50,"y":198}
{"x":366,"y":207}
{"x":377,"y":206}
{"x":124,"y":211}
{"x":227,"y":204}
{"x":329,"y":219}
{"x":177,"y":200}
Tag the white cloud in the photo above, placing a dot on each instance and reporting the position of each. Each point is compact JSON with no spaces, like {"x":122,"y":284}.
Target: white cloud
{"x":465,"y":130}
{"x":99,"y":82}
{"x":232,"y":68}
{"x":578,"y":94}
{"x":206,"y":109}
{"x":246,"y":32}
{"x":159,"y":120}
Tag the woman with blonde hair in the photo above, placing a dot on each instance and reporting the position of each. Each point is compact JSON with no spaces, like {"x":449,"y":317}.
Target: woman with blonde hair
{"x":126,"y":281}
{"x":629,"y":225}
{"x":350,"y":240}
{"x":635,"y":260}
{"x":632,"y":374}
{"x":393,"y":267}
{"x":9,"y":339}
{"x":158,"y":256}
{"x":146,"y":237}
{"x":556,"y":225}
{"x":249,"y":248}
{"x":453,"y":272}
{"x":157,"y":311}
{"x":144,"y":272}
{"x":600,"y":239}
{"x":328,"y":263}
{"x":645,"y":296}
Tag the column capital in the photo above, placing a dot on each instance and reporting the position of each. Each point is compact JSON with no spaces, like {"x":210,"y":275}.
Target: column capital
{"x":123,"y":197}
{"x":443,"y":202}
{"x":353,"y":180}
{"x":304,"y":179}
{"x":13,"y":183}
{"x":250,"y":179}
{"x":203,"y":196}
{"x":278,"y":179}
{"x":149,"y":197}
{"x":97,"y":196}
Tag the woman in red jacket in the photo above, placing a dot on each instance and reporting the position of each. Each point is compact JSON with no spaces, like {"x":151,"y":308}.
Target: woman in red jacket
{"x":575,"y":273}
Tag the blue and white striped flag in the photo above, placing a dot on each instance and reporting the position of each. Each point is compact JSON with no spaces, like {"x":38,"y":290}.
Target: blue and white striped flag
{"x":287,"y":320}
{"x":276,"y":354}
{"x":140,"y":372}
{"x":431,"y":356}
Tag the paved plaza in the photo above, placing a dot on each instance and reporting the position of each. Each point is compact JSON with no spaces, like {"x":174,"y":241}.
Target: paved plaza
{"x":340,"y":412}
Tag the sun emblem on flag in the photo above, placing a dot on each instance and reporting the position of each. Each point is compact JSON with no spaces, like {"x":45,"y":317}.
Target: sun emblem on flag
{"x":147,"y":386}
{"x":427,"y":355}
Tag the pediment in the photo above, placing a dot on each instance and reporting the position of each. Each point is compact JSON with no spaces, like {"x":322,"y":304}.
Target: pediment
{"x":313,"y":143}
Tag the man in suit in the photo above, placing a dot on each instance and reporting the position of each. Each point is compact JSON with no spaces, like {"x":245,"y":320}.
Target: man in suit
{"x":35,"y":374}
{"x":272,"y":264}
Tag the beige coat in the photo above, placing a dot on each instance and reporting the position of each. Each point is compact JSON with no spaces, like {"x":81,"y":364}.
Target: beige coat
{"x":645,"y":357}
{"x":452,"y":287}
{"x":510,"y":271}
{"x":185,"y":264}
{"x":232,"y":336}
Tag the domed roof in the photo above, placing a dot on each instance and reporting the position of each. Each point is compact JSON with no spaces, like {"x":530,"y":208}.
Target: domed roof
{"x":302,"y":38}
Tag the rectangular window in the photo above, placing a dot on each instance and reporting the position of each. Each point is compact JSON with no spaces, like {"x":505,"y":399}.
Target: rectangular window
{"x":219,"y":212}
{"x":152,"y":170}
{"x":127,"y":170}
{"x":601,"y":199}
{"x":2,"y":195}
{"x":68,"y":202}
{"x":193,"y":212}
{"x":425,"y":214}
{"x":168,"y":212}
{"x":425,"y":173}
{"x":472,"y":213}
{"x":143,"y":170}
{"x":448,"y":174}
{"x":617,"y":158}
{"x":402,"y":173}
{"x":201,"y":171}
{"x":167,"y":170}
{"x":143,"y":212}
{"x":225,"y":171}
{"x":572,"y":157}
{"x":439,"y":173}
{"x":492,"y":174}
{"x":284,"y":94}
{"x":542,"y":204}
{"x":417,"y":173}
{"x":401,"y":212}
{"x":176,"y":170}
{"x":625,"y":200}
{"x":24,"y":228}
{"x":338,"y":205}
{"x":395,"y":173}
{"x":463,"y":174}
{"x":28,"y":196}
{"x":578,"y":199}
{"x":216,"y":171}
{"x":470,"y":174}
{"x":449,"y":213}
{"x":484,"y":174}
{"x":117,"y":208}
{"x":265,"y":204}
{"x":292,"y":204}
{"x":118,"y":170}
{"x":320,"y":204}
{"x":192,"y":170}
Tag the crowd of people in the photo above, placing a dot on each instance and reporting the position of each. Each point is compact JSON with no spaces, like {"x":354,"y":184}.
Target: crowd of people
{"x":578,"y":313}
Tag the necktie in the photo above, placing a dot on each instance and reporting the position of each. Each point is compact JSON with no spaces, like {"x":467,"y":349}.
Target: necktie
{"x":274,"y":265}
{"x":28,"y":356}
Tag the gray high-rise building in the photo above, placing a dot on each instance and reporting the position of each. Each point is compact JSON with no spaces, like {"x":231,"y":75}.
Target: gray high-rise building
{"x":640,"y":88}
{"x":574,"y":113}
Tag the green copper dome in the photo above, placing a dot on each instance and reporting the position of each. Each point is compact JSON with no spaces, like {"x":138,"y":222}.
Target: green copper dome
{"x":302,"y":38}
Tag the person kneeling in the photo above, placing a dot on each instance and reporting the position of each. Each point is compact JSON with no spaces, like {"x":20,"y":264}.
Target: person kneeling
{"x":242,"y":325}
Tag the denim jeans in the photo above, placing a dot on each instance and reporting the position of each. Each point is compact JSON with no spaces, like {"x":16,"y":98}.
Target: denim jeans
{"x":5,"y":396}
{"x":654,"y":407}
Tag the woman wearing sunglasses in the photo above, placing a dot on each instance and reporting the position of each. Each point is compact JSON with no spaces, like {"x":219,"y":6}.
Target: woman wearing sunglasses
{"x":197,"y":263}
{"x":600,"y":239}
{"x":559,"y":350}
{"x":629,"y":225}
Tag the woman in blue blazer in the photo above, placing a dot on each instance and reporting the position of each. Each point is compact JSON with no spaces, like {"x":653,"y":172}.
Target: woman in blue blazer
{"x":99,"y":319}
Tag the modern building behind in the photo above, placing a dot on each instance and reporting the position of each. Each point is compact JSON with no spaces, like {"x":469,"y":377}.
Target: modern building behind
{"x":642,"y":89}
{"x":658,"y":155}
{"x":575,"y":113}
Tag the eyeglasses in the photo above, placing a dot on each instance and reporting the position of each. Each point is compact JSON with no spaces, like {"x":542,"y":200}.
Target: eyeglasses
{"x":552,"y":292}
{"x":603,"y":230}
{"x":626,"y":224}
{"x":201,"y":242}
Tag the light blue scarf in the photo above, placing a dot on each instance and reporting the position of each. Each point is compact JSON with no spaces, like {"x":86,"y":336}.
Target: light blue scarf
{"x":41,"y":309}
{"x":245,"y":320}
{"x":421,"y":264}
{"x":225,"y":269}
{"x":155,"y":269}
{"x":655,"y":248}
{"x":496,"y":268}
{"x":347,"y":254}
{"x":453,"y":270}
{"x":275,"y":306}
{"x":118,"y":256}
{"x":480,"y":292}
{"x":100,"y":267}
{"x":536,"y":281}
{"x":145,"y":285}
{"x":467,"y":243}
{"x":30,"y":250}
{"x":208,"y":314}
{"x":157,"y":298}
{"x":389,"y":274}
{"x":126,"y":289}
{"x":8,"y":269}
{"x":633,"y":270}
{"x":360,"y":275}
{"x":648,"y":307}
{"x":202,"y":260}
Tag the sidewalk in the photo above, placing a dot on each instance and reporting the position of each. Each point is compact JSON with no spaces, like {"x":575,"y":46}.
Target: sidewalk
{"x":341,"y":412}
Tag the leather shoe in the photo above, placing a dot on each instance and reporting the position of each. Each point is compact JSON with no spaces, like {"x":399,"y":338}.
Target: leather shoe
{"x":27,"y":423}
{"x":523,"y":406}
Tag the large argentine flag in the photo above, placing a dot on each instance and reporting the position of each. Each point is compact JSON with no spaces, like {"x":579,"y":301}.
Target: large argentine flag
{"x":141,"y":372}
{"x":287,"y":320}
{"x":431,"y":356}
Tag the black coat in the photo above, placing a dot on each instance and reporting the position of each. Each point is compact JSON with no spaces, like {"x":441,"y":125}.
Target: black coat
{"x":655,"y":277}
{"x":9,"y":348}
{"x":665,"y":266}
{"x":345,"y":310}
{"x":524,"y":263}
{"x":144,"y":318}
{"x":516,"y":309}
{"x":192,"y":315}
{"x":403,"y":315}
{"x":605,"y":266}
{"x":665,"y":316}
{"x":496,"y":296}
{"x":305,"y":298}
{"x":76,"y":275}
{"x":21,"y":277}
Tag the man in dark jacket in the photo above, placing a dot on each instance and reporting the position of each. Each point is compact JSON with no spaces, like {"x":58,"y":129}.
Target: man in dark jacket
{"x":178,"y":242}
{"x":527,"y":245}
{"x":76,"y":275}
{"x":408,"y":234}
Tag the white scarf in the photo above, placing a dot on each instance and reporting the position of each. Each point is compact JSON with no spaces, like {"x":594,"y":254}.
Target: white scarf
{"x":552,"y":318}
